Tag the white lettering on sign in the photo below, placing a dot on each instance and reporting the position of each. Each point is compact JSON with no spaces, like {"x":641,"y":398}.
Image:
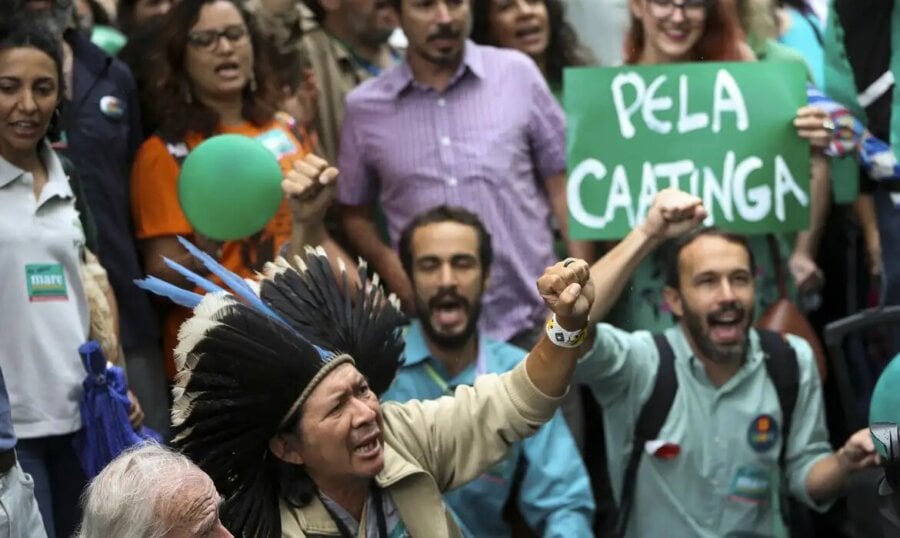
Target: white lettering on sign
{"x":651,"y":100}
{"x":729,"y":192}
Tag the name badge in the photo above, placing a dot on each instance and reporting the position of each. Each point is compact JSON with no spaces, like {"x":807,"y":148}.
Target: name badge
{"x":278,"y":142}
{"x":750,"y":485}
{"x":46,"y":282}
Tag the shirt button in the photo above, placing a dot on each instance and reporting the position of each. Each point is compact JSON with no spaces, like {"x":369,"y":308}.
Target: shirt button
{"x":451,"y":181}
{"x":442,"y":101}
{"x":445,"y":140}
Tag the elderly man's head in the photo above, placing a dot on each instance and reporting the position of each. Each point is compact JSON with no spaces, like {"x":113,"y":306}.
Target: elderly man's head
{"x":152,"y":492}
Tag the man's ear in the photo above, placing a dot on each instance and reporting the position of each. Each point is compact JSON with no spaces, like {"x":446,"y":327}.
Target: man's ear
{"x":673,"y":298}
{"x":283,"y":446}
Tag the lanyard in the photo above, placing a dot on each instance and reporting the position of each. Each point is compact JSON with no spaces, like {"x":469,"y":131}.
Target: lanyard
{"x":378,"y":501}
{"x":437,"y":379}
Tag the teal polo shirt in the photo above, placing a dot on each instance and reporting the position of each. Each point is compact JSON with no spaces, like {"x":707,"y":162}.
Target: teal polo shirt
{"x":555,"y":496}
{"x":725,"y":479}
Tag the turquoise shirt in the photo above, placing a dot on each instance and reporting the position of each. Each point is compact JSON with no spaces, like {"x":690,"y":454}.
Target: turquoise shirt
{"x":724,"y":481}
{"x":555,"y":496}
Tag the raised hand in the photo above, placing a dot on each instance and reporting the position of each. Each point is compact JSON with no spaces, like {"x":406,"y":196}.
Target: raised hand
{"x":568,"y":292}
{"x":673,"y":213}
{"x":309,"y":188}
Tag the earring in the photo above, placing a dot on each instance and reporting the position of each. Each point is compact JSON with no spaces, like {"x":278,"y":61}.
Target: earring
{"x":252,"y":83}
{"x":186,"y":90}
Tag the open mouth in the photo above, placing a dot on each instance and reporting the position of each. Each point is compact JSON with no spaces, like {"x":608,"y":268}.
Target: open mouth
{"x":228,"y":70}
{"x":448,"y":312}
{"x":369,"y":448}
{"x":676,"y":34}
{"x":530,"y":32}
{"x":25,"y":129}
{"x":726,"y":325}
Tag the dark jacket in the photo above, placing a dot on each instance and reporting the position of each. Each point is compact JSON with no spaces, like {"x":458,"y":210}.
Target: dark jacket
{"x":102,"y":131}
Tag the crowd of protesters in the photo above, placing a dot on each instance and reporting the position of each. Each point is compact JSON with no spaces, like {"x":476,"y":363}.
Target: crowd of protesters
{"x":425,"y":141}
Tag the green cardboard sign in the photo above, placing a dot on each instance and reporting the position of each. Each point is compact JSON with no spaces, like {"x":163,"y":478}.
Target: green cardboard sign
{"x":722,"y":131}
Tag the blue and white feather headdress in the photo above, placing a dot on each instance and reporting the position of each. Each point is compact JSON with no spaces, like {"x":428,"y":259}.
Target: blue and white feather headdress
{"x":250,"y":356}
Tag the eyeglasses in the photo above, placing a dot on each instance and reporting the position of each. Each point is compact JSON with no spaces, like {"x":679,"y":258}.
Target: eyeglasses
{"x":690,"y":8}
{"x":209,"y":39}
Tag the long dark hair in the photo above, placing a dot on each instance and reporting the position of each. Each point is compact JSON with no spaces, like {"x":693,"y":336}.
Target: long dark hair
{"x":23,"y":31}
{"x":178,"y":110}
{"x":563,"y":49}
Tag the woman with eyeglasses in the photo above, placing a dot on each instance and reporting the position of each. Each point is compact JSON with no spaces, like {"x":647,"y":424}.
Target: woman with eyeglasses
{"x":679,"y":31}
{"x":212,"y":78}
{"x":535,"y":27}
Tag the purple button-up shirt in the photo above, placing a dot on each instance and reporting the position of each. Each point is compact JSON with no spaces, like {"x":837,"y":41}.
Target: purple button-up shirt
{"x":486,"y":144}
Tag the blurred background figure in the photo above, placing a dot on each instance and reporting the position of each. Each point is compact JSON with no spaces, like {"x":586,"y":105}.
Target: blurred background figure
{"x":601,"y":25}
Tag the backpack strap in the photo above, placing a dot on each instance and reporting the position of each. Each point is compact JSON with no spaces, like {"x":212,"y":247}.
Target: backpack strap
{"x":85,"y":215}
{"x":650,"y":421}
{"x":784,"y":372}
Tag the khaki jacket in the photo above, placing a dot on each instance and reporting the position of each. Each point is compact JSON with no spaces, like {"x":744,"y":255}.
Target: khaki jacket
{"x":436,"y":445}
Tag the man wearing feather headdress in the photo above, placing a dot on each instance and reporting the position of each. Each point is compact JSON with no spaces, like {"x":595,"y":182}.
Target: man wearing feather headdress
{"x":276,"y":399}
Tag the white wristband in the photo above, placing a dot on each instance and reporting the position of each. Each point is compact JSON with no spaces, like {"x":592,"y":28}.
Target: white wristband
{"x":562,"y":337}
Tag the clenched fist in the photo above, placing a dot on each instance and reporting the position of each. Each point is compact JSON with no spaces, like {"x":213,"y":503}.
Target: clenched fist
{"x":673,"y":213}
{"x":309,"y":188}
{"x":568,"y":291}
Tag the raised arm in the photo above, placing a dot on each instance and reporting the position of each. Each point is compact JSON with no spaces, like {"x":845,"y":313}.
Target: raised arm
{"x":673,"y":213}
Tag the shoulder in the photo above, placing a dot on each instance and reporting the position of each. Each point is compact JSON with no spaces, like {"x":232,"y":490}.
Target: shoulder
{"x":377,"y":89}
{"x":154,"y":159}
{"x":806,"y":361}
{"x":504,"y":60}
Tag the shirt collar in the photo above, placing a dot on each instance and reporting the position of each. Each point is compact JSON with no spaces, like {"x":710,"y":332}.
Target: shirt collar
{"x":57,"y":180}
{"x":416,"y":350}
{"x":472,"y":62}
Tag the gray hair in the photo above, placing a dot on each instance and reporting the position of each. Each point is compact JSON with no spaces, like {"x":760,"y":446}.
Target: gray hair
{"x":125,"y":498}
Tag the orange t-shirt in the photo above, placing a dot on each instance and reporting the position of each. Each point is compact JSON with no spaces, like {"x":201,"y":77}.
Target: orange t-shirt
{"x":157,"y":210}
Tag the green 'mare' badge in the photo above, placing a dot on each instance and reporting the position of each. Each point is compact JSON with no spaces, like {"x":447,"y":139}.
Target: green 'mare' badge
{"x":46,"y":282}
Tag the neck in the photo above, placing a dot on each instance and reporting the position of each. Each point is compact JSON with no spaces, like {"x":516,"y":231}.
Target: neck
{"x":457,"y":359}
{"x":431,"y":74}
{"x":29,"y":161}
{"x":230,"y":110}
{"x":650,"y":56}
{"x":349,"y":495}
{"x":366,"y":50}
{"x":541,"y":62}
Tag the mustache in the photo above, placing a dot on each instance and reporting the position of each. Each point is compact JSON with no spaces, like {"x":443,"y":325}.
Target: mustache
{"x":727,"y":308}
{"x":356,"y":436}
{"x":445,"y":32}
{"x":445,"y":295}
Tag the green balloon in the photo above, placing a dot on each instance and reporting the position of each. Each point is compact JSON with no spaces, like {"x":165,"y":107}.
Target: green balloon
{"x":230,"y":187}
{"x":108,"y":38}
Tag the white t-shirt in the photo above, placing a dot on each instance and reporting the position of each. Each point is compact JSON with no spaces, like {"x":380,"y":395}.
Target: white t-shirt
{"x":44,"y":309}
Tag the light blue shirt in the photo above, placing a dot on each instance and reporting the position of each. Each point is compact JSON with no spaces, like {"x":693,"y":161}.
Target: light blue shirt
{"x":725,"y":480}
{"x":555,"y":494}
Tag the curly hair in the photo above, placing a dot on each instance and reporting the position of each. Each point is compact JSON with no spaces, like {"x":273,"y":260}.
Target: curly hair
{"x":721,"y":41}
{"x":563,"y":48}
{"x":172,"y":99}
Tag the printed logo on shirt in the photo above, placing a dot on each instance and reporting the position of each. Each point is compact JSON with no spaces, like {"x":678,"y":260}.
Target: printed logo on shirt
{"x":278,"y":142}
{"x":112,"y":107}
{"x":763,"y":433}
{"x":46,"y":282}
{"x":750,"y":485}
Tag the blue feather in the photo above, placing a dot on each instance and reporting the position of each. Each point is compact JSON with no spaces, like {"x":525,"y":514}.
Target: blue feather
{"x":208,"y":285}
{"x":185,"y":298}
{"x":233,"y":281}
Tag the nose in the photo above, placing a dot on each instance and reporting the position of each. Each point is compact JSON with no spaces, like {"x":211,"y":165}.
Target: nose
{"x":224,"y":46}
{"x":524,"y":7}
{"x":677,"y":14}
{"x":443,"y":13}
{"x":726,"y":291}
{"x":448,"y":276}
{"x":362,"y":413}
{"x":27,"y":102}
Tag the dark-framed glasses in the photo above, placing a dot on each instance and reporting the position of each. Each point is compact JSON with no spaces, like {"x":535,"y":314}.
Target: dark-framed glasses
{"x":209,"y":39}
{"x":691,"y":8}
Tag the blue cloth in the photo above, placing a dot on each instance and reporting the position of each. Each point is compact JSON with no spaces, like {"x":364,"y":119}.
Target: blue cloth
{"x":102,"y":128}
{"x":555,"y":495}
{"x":7,"y":434}
{"x":104,"y":411}
{"x":805,"y":36}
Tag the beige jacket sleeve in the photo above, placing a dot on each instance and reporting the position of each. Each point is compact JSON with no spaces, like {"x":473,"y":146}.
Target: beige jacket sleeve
{"x":456,"y":438}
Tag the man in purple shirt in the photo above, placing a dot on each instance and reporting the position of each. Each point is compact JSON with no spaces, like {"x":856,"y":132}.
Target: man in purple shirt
{"x":463,"y":125}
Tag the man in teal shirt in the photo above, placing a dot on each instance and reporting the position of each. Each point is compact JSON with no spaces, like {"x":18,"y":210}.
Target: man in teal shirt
{"x":714,"y":469}
{"x":446,"y":252}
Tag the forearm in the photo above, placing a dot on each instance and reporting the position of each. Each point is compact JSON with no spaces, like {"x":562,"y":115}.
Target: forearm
{"x":613,"y":271}
{"x":826,"y":478}
{"x":550,"y":367}
{"x":367,"y":241}
{"x":807,"y":241}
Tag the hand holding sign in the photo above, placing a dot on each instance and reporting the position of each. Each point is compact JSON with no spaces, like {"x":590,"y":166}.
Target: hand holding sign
{"x":814,"y":124}
{"x":673,"y":213}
